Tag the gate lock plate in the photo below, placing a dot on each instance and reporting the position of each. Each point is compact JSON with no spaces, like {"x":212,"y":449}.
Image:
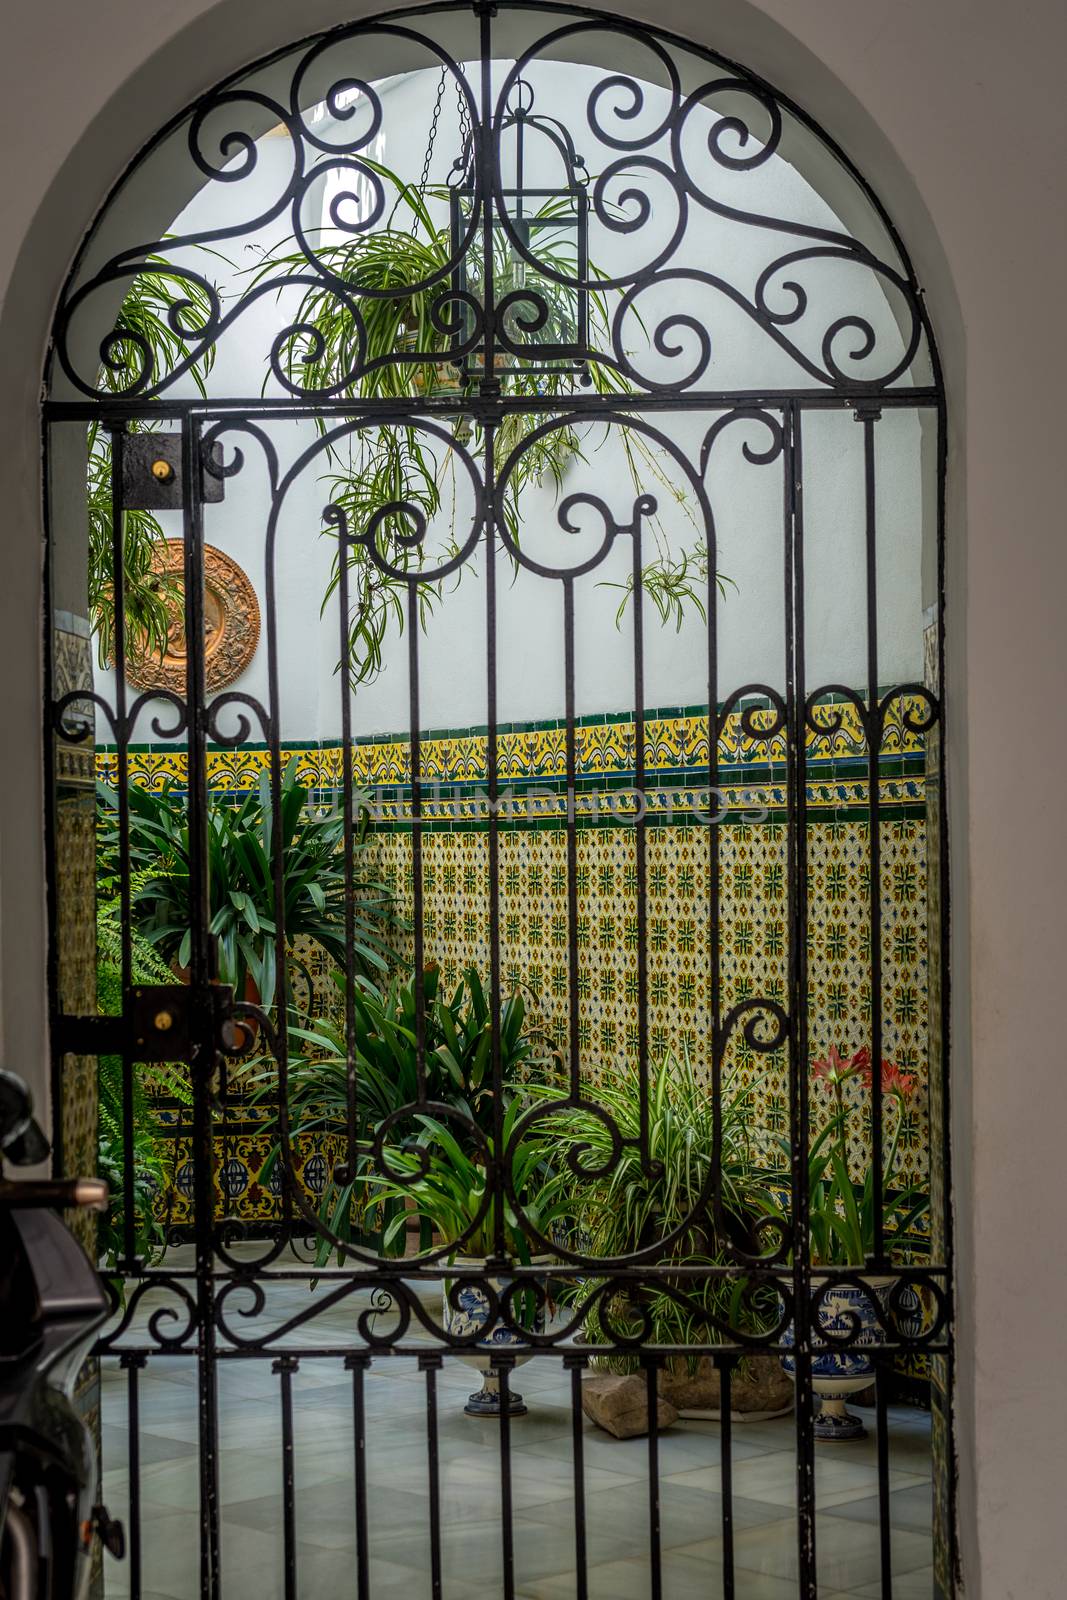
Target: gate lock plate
{"x":160,"y":1016}
{"x":152,"y":472}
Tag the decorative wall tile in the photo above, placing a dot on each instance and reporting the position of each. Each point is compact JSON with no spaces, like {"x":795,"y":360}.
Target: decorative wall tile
{"x":752,"y":860}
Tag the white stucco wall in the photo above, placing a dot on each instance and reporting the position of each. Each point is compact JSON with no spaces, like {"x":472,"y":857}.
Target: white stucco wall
{"x":955,"y":113}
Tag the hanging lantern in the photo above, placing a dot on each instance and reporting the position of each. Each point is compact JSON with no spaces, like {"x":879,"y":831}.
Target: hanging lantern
{"x":540,"y":254}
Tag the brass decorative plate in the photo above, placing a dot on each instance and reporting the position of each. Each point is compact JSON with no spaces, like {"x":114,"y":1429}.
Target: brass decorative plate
{"x":231,"y":625}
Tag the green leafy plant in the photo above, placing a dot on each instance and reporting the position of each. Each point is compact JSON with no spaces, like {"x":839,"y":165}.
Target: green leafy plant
{"x":147,"y":321}
{"x":241,"y":844}
{"x":150,"y":1173}
{"x":445,"y":1185}
{"x":458,"y":1051}
{"x":458,"y":1057}
{"x":399,"y":276}
{"x":612,"y":1205}
{"x":841,"y":1210}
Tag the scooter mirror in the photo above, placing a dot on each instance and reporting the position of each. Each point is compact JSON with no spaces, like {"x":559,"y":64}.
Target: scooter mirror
{"x":21,"y":1140}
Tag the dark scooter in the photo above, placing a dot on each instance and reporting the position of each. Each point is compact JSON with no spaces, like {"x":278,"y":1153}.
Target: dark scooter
{"x":51,"y":1304}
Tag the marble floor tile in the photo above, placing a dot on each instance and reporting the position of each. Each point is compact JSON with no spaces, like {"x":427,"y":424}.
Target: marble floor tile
{"x":772,"y":1477}
{"x":542,"y":1480}
{"x":683,"y":1579}
{"x":910,"y":1508}
{"x":918,"y":1585}
{"x":685,"y":1515}
{"x":847,"y":1552}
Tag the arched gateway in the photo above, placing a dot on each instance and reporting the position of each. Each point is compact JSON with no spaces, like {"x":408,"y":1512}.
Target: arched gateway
{"x":495,"y":469}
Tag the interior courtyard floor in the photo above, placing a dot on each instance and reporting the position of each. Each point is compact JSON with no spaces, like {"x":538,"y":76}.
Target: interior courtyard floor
{"x":616,"y":1484}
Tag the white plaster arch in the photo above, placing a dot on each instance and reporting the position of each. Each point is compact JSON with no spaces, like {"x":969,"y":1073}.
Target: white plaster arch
{"x":907,"y":90}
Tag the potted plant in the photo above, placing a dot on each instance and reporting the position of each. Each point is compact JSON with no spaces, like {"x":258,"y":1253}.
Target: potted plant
{"x":614,"y":1205}
{"x":146,"y":329}
{"x":448,"y":1186}
{"x":841,"y":1230}
{"x":457,"y":1035}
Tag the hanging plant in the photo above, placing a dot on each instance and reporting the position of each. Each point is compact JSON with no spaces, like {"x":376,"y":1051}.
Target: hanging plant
{"x":400,"y":277}
{"x":148,"y":321}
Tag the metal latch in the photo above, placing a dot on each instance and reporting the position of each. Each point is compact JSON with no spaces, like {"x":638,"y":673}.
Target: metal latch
{"x":160,"y":1016}
{"x":152,"y":472}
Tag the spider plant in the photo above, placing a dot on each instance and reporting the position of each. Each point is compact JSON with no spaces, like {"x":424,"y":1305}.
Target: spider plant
{"x":144,"y":322}
{"x":241,"y":845}
{"x":614,"y":1205}
{"x":400,"y":275}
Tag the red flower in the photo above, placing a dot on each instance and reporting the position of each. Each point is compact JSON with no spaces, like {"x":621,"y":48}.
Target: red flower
{"x":895,"y":1080}
{"x":836,"y":1069}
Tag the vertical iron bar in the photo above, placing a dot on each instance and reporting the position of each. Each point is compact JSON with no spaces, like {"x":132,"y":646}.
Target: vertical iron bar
{"x":415,"y":755}
{"x":654,"y":1553}
{"x":277,"y":870}
{"x":869,"y":415}
{"x":576,"y":1365}
{"x":431,"y":1365}
{"x":129,"y":1263}
{"x":798,"y":984}
{"x":351,"y":1087}
{"x":48,"y":750}
{"x":725,"y":1366}
{"x":133,"y":1364}
{"x":202,"y":1050}
{"x":640,"y":859}
{"x":285,"y":1366}
{"x":482,"y":142}
{"x":357,"y":1365}
{"x":500,"y":1247}
{"x":118,"y":580}
{"x":570,"y":758}
{"x":885,"y":1548}
{"x":507,"y":1528}
{"x":489,"y":391}
{"x":715,"y":1000}
{"x":943,"y":922}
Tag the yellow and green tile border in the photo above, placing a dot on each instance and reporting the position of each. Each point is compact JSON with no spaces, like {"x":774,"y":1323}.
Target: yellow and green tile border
{"x":531,"y":764}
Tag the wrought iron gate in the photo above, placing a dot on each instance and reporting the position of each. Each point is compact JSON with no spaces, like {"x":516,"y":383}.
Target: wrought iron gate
{"x":556,"y":296}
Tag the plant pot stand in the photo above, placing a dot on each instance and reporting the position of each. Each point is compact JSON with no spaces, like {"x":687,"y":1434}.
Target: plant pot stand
{"x":469,"y":1315}
{"x":839,"y":1375}
{"x":835,"y":1423}
{"x":486,"y":1401}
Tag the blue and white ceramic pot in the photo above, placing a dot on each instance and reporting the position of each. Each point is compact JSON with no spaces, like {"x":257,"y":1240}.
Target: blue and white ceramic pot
{"x":472,"y":1312}
{"x":837,"y":1373}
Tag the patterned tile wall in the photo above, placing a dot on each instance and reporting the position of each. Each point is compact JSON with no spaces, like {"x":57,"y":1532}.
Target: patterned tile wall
{"x":752,"y":858}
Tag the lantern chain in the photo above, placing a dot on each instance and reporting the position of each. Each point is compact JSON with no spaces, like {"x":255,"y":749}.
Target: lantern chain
{"x":431,"y":141}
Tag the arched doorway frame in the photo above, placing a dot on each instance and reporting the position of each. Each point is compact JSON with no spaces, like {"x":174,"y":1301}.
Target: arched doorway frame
{"x":690,"y":30}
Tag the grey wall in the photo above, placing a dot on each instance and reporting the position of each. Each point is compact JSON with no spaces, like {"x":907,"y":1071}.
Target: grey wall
{"x":955,"y":112}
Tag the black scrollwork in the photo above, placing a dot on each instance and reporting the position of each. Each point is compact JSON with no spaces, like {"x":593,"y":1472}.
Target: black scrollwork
{"x":661,"y":154}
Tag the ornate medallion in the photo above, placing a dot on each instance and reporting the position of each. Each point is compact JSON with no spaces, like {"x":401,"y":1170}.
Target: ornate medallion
{"x":231,"y":625}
